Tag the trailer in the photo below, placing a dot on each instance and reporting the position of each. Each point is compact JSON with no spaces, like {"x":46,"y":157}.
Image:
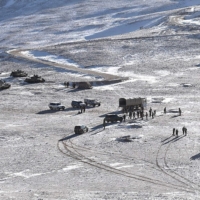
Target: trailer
{"x":133,"y":103}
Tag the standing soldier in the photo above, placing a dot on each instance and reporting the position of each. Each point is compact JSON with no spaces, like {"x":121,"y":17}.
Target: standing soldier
{"x":130,"y":114}
{"x":154,"y":112}
{"x":146,"y":115}
{"x":179,"y":110}
{"x":83,"y":108}
{"x":183,"y":129}
{"x":138,"y":114}
{"x":165,"y":110}
{"x":141,"y":114}
{"x":74,"y":85}
{"x":133,"y":115}
{"x":152,"y":115}
{"x":104,"y":123}
{"x":173,"y":131}
{"x":177,"y":132}
{"x":150,"y":111}
{"x":124,"y":117}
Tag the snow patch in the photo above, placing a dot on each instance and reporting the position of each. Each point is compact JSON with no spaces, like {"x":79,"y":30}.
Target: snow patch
{"x":44,"y":56}
{"x":71,"y":167}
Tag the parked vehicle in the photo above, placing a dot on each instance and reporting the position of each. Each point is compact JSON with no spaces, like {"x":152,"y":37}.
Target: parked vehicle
{"x":56,"y":106}
{"x":4,"y":85}
{"x":34,"y":79}
{"x":133,"y":103}
{"x":113,"y":118}
{"x":76,"y":104}
{"x":80,"y":129}
{"x":18,"y":73}
{"x":92,"y":102}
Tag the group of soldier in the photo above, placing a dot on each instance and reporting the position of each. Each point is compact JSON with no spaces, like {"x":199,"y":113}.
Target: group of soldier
{"x":175,"y":131}
{"x":179,"y":111}
{"x":140,"y":114}
{"x":82,"y":107}
{"x":67,"y":84}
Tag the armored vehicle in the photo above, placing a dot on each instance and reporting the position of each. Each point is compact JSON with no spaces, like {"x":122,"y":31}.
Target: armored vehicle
{"x":92,"y":102}
{"x":4,"y":85}
{"x":80,"y":129}
{"x":34,"y":79}
{"x":18,"y":73}
{"x":113,"y":118}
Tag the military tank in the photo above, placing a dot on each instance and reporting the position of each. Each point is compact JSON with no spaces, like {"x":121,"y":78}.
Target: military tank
{"x":4,"y":85}
{"x":34,"y":79}
{"x":18,"y":73}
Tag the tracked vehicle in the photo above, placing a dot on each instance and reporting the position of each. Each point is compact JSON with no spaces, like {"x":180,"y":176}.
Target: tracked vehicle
{"x":34,"y":79}
{"x":18,"y":73}
{"x":4,"y":85}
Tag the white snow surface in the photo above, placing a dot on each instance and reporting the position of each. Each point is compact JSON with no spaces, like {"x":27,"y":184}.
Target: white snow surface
{"x":152,"y":43}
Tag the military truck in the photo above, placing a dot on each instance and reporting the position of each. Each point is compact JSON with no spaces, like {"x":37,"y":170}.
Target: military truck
{"x":132,"y":103}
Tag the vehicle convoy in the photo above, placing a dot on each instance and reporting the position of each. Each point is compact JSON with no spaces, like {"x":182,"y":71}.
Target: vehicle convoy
{"x":4,"y":85}
{"x":80,"y":129}
{"x":92,"y":102}
{"x":133,"y":103}
{"x":76,"y":104}
{"x":18,"y":73}
{"x":34,"y":79}
{"x":113,"y":118}
{"x":56,"y":106}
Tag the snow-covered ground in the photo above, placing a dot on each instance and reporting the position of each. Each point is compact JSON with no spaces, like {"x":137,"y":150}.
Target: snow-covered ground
{"x":153,"y":46}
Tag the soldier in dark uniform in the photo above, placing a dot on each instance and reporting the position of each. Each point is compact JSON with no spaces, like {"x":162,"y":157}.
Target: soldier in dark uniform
{"x":141,"y":114}
{"x":133,"y":115}
{"x":130,"y":114}
{"x":104,"y":124}
{"x":124,"y":117}
{"x":150,"y":111}
{"x":177,"y":132}
{"x":138,"y":114}
{"x":165,"y":110}
{"x":183,"y":129}
{"x":173,"y":131}
{"x":67,"y":84}
{"x":146,"y":115}
{"x":179,"y":110}
{"x":83,"y":108}
{"x":74,"y":85}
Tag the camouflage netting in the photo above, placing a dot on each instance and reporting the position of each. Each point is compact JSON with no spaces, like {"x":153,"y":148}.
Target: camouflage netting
{"x":84,"y":85}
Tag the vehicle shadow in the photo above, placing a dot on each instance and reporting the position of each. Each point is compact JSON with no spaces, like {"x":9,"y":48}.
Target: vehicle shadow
{"x":49,"y":111}
{"x":175,"y":116}
{"x":68,"y":137}
{"x":195,"y":157}
{"x":115,"y":112}
{"x":54,"y":111}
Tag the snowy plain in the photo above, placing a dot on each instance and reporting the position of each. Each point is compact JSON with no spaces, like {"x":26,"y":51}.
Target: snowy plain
{"x":154,"y":45}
